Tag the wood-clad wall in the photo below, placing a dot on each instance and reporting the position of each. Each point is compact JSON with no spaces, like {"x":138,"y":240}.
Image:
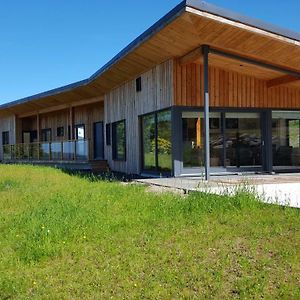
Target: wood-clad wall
{"x":7,"y":124}
{"x":88,"y":115}
{"x":125,"y":103}
{"x":54,"y":120}
{"x":230,"y":89}
{"x":82,"y":115}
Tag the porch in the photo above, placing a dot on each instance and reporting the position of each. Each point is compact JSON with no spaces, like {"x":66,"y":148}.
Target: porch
{"x":75,"y":150}
{"x":68,"y":155}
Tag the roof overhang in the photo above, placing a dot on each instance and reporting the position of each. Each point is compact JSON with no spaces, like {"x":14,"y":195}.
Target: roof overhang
{"x":189,"y":25}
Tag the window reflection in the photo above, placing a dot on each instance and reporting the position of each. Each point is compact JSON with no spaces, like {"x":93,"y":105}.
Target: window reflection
{"x":286,"y":139}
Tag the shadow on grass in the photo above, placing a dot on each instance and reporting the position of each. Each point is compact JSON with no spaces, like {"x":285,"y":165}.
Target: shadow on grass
{"x":104,"y":176}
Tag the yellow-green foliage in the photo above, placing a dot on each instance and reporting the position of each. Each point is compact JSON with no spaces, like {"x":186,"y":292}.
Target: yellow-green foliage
{"x":66,"y":237}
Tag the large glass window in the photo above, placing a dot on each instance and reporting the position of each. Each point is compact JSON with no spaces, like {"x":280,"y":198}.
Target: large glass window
{"x":119,"y":140}
{"x":157,"y":145}
{"x":286,"y":139}
{"x":194,"y":140}
{"x":164,"y":144}
{"x":235,"y":140}
{"x":149,"y":142}
{"x":243,"y":140}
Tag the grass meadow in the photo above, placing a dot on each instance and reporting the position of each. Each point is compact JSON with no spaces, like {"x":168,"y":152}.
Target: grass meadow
{"x":67,"y":237}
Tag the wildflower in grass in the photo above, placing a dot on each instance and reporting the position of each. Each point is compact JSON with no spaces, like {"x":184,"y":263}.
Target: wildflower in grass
{"x":43,"y":227}
{"x":34,"y":282}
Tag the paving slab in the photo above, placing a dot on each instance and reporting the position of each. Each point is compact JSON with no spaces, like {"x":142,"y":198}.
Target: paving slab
{"x":276,"y":189}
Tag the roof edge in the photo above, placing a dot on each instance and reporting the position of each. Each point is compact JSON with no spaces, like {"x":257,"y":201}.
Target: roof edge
{"x":159,"y":25}
{"x":237,"y":17}
{"x":156,"y":27}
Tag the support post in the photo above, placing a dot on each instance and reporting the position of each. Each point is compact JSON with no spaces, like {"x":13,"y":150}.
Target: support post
{"x":205,"y":50}
{"x":71,"y":121}
{"x":38,"y":135}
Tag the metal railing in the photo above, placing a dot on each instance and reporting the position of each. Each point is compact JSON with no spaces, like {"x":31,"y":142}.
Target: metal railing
{"x":76,"y":150}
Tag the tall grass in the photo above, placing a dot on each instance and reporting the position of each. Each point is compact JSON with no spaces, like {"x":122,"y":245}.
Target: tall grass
{"x":63,"y":237}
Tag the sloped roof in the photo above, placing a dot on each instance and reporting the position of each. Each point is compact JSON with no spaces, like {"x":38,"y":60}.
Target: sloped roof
{"x":174,"y":35}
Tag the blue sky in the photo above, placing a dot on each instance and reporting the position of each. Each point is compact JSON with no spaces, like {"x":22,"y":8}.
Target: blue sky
{"x":46,"y":44}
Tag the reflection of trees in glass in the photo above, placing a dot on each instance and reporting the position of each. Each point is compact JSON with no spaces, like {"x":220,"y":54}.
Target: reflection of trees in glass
{"x":119,"y":140}
{"x":157,"y":146}
{"x":120,"y":133}
{"x":149,"y":141}
{"x":164,"y":141}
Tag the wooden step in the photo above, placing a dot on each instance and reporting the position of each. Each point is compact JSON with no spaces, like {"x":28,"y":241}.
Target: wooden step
{"x":99,"y":166}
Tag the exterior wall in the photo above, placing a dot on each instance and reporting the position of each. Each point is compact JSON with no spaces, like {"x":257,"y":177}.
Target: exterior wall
{"x":88,"y":115}
{"x":7,"y":124}
{"x":54,"y":120}
{"x":85,"y":114}
{"x":230,"y":89}
{"x":125,"y":103}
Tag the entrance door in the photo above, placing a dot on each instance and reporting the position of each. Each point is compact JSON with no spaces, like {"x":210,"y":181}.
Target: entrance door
{"x":29,"y":137}
{"x":98,"y":141}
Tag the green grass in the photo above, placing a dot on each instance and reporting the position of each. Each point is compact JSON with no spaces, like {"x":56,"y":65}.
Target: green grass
{"x":65,"y":237}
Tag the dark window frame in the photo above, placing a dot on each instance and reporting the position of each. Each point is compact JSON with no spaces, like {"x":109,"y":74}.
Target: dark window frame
{"x":108,"y":134}
{"x":76,"y":133}
{"x":43,"y":132}
{"x":138,"y":84}
{"x":157,"y":169}
{"x":115,"y":141}
{"x":5,"y":138}
{"x":60,"y":131}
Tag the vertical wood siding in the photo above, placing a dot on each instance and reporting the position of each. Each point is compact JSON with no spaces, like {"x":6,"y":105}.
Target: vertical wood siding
{"x":125,"y":103}
{"x":230,"y":89}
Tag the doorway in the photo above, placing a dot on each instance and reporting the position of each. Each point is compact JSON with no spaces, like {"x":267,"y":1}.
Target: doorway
{"x":98,"y":141}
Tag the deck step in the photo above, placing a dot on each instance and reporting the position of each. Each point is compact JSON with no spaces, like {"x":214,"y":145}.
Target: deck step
{"x":99,"y":166}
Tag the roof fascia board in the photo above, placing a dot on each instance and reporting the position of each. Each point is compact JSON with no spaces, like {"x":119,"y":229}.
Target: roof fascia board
{"x":236,"y":17}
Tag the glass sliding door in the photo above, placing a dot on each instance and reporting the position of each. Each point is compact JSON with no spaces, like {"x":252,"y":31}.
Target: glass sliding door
{"x":156,"y":142}
{"x":286,"y":140}
{"x":243,"y":140}
{"x":235,"y":142}
{"x":193,"y":140}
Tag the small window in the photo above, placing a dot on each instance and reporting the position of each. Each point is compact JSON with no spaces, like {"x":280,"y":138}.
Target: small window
{"x":80,"y":132}
{"x":119,"y":140}
{"x":5,"y":138}
{"x":60,"y":131}
{"x":108,"y":134}
{"x":139,"y":84}
{"x":46,"y":135}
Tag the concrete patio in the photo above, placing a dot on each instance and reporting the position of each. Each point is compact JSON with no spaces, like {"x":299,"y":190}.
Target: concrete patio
{"x":283,"y":189}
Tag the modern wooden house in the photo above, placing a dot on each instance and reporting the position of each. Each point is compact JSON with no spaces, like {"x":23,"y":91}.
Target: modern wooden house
{"x":203,"y":91}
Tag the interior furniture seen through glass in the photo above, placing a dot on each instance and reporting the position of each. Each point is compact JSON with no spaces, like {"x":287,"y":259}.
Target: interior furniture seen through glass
{"x":243,"y":140}
{"x":235,"y":140}
{"x":286,"y":139}
{"x":194,"y":139}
